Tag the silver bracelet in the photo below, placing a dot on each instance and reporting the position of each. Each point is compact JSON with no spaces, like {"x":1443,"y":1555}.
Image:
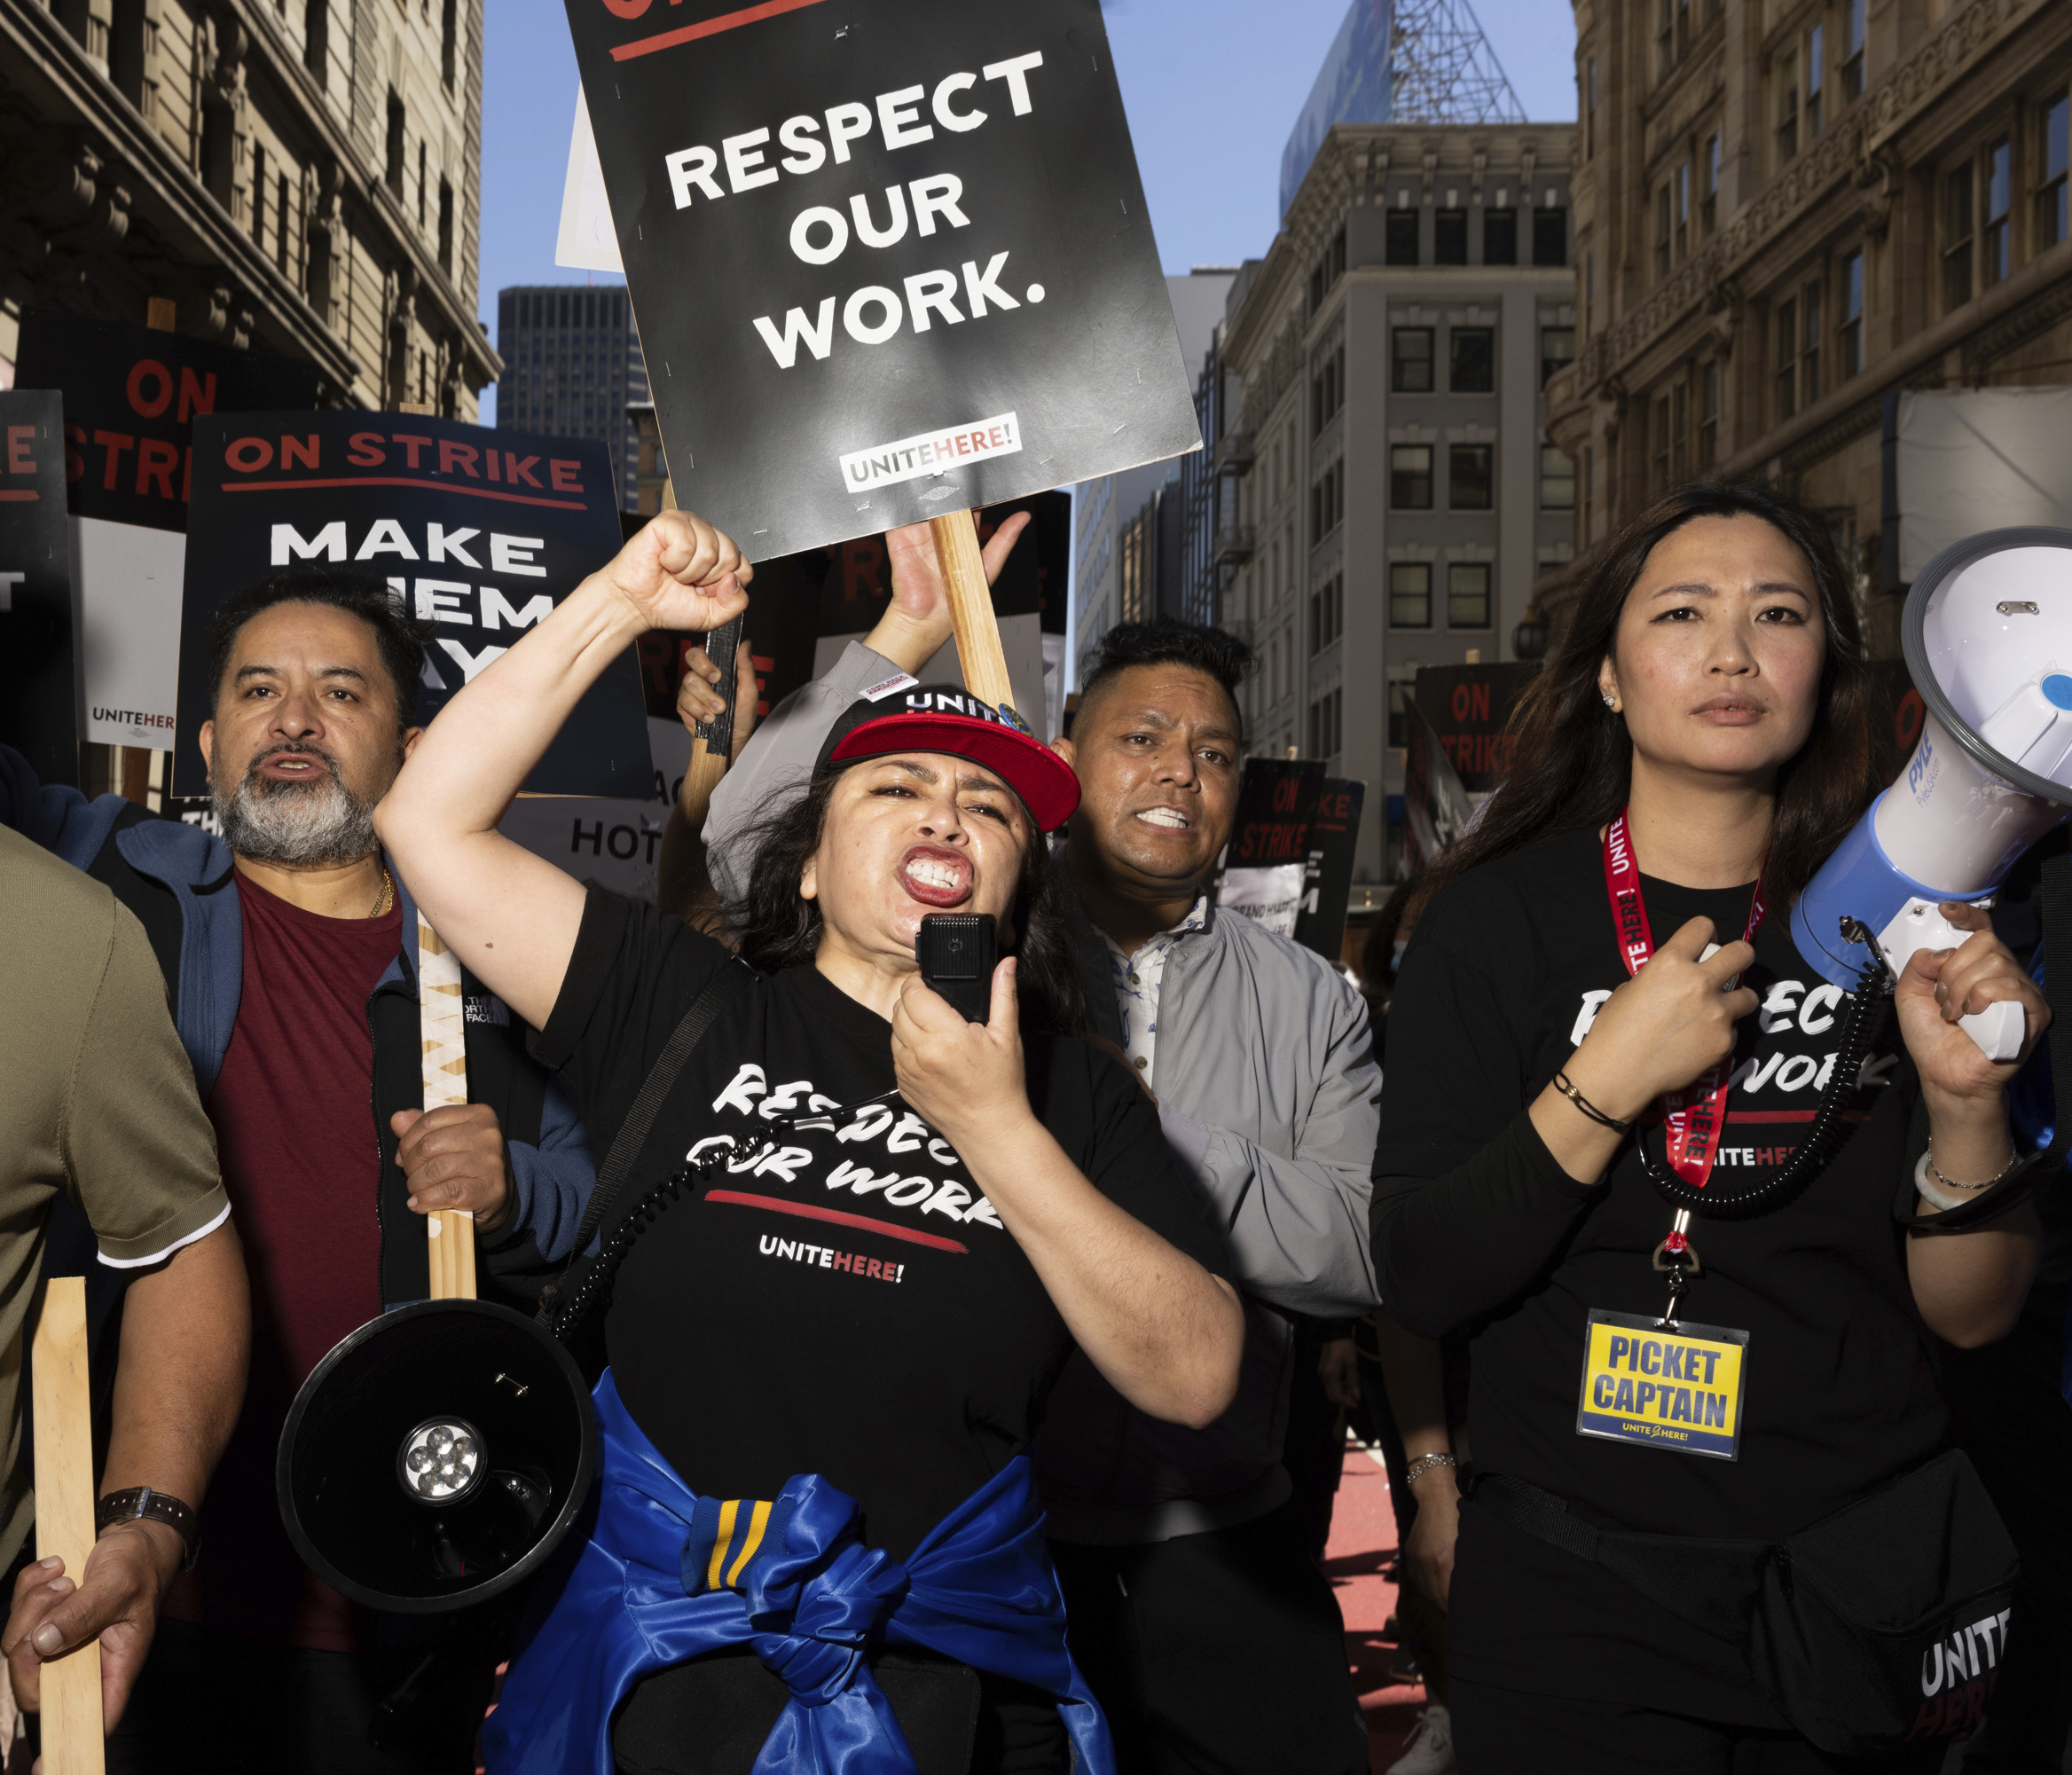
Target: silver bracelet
{"x":1938,"y":1194}
{"x":1426,"y":1464}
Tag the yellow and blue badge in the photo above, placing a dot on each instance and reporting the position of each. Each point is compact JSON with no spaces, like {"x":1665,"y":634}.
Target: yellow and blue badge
{"x":1665,"y":1383}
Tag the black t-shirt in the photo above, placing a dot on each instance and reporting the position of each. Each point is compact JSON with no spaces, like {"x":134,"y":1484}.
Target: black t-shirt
{"x":1477,"y":1227}
{"x":848,"y":1304}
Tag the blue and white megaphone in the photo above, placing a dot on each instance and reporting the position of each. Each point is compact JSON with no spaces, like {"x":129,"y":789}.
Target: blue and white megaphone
{"x":1987,"y":632}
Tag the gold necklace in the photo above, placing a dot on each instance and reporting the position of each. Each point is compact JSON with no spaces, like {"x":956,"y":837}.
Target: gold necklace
{"x":386,"y":898}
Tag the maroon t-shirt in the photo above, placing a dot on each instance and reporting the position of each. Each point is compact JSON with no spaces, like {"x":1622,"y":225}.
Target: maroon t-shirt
{"x":294,"y":1128}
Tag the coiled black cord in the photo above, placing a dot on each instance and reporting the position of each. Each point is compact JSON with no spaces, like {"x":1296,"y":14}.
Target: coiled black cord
{"x":1824,"y":1138}
{"x":595,"y":1287}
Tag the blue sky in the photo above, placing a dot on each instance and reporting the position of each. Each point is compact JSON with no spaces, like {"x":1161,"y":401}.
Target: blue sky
{"x":1213,"y":87}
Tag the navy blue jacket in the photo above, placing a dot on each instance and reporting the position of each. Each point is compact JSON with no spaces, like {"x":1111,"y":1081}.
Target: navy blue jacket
{"x":178,"y":879}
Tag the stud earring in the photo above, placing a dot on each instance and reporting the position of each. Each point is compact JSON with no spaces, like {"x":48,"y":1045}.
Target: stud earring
{"x":1611,"y":701}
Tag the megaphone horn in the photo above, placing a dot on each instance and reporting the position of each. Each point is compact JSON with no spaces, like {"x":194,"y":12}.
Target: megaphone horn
{"x":436,"y":1457}
{"x":1987,"y":634}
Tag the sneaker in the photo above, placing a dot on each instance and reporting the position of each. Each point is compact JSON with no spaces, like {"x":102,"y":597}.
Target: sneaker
{"x":1429,"y":1748}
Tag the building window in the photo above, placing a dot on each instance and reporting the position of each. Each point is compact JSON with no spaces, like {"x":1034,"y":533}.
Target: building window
{"x":1500,"y":236}
{"x":1709,"y":185}
{"x":1852,"y":48}
{"x":2054,"y":224}
{"x":1658,"y":443}
{"x":1785,"y":79}
{"x":1409,"y":599}
{"x":1815,"y":58}
{"x":1401,"y":247}
{"x":1661,"y":232}
{"x":1409,"y":477}
{"x":1999,"y":171}
{"x":1468,"y":476}
{"x":392,"y":168}
{"x":446,"y":226}
{"x":1327,"y":724}
{"x":1556,"y":351}
{"x":280,"y":246}
{"x":1550,"y":234}
{"x":1589,"y":470}
{"x":259,"y":197}
{"x":448,"y":39}
{"x":1679,"y":434}
{"x":1327,"y":613}
{"x":1557,"y":479}
{"x":1324,"y":275}
{"x":1787,"y":358}
{"x":1411,"y":360}
{"x":1327,"y":503}
{"x":421,"y":145}
{"x":1809,"y":336}
{"x":1849,"y":336}
{"x":1327,"y":391}
{"x":1471,"y":366}
{"x":1449,"y":237}
{"x":1589,"y":124}
{"x":1956,"y":230}
{"x":1467,"y":594}
{"x":1708,"y":414}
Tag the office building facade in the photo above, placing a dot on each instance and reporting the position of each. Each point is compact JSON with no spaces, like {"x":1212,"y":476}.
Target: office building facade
{"x":1785,"y":216}
{"x":1389,"y":499}
{"x":573,"y":368}
{"x":1131,"y":529}
{"x":300,"y":177}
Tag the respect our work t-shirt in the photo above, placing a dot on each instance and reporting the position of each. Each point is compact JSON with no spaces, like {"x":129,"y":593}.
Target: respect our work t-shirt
{"x":848,"y":1303}
{"x":1477,"y":1227}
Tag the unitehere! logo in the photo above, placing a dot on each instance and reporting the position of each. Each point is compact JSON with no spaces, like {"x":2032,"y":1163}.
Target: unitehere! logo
{"x":930,"y":452}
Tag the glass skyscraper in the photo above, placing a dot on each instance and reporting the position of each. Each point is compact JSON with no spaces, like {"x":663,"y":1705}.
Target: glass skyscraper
{"x":572,"y":367}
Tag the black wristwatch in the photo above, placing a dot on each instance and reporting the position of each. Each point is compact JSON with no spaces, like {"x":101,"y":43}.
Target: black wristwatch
{"x":140,"y":1502}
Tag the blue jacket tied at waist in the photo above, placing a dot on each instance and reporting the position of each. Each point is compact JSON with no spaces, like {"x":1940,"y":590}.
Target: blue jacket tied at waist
{"x":668,"y":1575}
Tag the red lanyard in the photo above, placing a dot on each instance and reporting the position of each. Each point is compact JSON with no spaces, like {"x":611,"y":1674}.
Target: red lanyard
{"x":1695,"y":1114}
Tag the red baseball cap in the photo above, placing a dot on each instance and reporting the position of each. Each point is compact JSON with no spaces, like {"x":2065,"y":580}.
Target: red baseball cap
{"x":903,"y":716}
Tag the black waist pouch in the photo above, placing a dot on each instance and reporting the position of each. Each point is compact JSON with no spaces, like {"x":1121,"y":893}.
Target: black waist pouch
{"x":1883,"y":1625}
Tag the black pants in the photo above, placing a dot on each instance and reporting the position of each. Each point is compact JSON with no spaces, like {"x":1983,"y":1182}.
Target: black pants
{"x":1222,"y":1654}
{"x":209,"y":1703}
{"x":1505,"y":1732}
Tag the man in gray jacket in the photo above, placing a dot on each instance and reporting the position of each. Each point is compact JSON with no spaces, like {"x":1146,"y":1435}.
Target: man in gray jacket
{"x":1211,"y":1642}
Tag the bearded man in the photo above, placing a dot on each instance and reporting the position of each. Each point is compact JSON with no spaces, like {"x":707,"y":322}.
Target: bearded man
{"x":289,"y":945}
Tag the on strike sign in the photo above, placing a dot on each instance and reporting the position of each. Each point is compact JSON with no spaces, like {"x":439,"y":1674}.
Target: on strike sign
{"x":480,"y":533}
{"x":887,"y":261}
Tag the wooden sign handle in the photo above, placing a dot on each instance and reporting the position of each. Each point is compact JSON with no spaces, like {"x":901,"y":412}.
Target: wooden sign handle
{"x":444,"y":1029}
{"x":72,"y":1741}
{"x":963,"y":571}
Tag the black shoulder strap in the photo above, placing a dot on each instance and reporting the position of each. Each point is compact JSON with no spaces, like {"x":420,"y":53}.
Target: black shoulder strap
{"x":2055,"y":892}
{"x":661,"y":1079}
{"x":1712,"y":1584}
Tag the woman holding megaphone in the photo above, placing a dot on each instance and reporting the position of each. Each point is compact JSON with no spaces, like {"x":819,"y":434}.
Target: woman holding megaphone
{"x":860,"y":1239}
{"x":1648,"y":1158}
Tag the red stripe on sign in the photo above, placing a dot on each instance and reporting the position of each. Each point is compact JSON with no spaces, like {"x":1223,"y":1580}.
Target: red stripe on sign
{"x":404,"y":480}
{"x":19,"y":493}
{"x":711,"y":28}
{"x":806,"y":1211}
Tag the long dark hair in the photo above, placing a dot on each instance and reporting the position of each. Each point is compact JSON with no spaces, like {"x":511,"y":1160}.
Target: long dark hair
{"x":778,"y":928}
{"x":1571,"y":760}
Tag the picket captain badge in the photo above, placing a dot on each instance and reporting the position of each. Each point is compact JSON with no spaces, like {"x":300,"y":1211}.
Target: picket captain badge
{"x":1667,"y":1385}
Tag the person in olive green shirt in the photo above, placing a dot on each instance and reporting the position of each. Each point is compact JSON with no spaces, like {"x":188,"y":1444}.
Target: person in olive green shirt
{"x":97,"y":1100}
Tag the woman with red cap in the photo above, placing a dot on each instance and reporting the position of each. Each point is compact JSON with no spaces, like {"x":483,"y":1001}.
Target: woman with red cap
{"x":816,"y":1545}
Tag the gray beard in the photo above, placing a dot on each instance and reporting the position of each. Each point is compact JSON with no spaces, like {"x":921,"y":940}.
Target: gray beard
{"x":295,"y":825}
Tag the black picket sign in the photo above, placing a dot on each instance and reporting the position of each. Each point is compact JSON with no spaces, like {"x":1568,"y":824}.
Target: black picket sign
{"x":887,"y":261}
{"x":39,"y":714}
{"x":481,"y":532}
{"x":131,"y":397}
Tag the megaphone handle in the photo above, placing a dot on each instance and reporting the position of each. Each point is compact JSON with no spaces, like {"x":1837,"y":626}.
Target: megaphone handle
{"x":441,"y":1024}
{"x":1997,"y":1029}
{"x":72,"y":1739}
